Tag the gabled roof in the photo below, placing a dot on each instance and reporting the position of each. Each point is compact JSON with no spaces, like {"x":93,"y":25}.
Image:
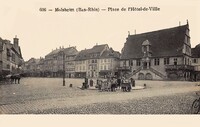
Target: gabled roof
{"x":196,"y":51}
{"x":166,"y":42}
{"x":98,"y":48}
{"x":17,"y":51}
{"x":86,"y":54}
{"x":110,"y":54}
{"x":67,"y":51}
{"x":35,"y":61}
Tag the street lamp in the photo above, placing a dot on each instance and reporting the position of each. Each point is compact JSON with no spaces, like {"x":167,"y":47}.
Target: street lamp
{"x":63,"y":68}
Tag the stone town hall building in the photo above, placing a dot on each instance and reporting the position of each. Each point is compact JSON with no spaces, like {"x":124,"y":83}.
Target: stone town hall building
{"x":159,"y":55}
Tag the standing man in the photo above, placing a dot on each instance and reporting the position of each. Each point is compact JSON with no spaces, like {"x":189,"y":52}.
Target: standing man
{"x":133,"y":82}
{"x":118,"y":82}
{"x":86,"y":83}
{"x":18,"y":78}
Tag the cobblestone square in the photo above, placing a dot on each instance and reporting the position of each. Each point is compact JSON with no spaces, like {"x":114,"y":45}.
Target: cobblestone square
{"x":49,"y":96}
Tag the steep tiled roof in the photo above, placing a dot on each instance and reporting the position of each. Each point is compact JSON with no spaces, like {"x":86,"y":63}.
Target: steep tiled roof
{"x":17,"y":50}
{"x":110,"y":54}
{"x":97,"y":48}
{"x":82,"y":55}
{"x":67,"y":51}
{"x":166,"y":42}
{"x":85,"y":54}
{"x":34,"y":60}
{"x":196,"y":51}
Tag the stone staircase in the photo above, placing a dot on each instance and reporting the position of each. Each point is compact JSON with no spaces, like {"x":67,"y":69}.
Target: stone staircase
{"x":157,"y":73}
{"x":137,"y":70}
{"x":150,"y":69}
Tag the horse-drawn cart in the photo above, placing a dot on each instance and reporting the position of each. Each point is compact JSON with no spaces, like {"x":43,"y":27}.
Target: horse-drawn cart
{"x":10,"y":79}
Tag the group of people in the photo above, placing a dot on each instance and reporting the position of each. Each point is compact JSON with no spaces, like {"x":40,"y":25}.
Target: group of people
{"x":14,"y":79}
{"x":111,"y":84}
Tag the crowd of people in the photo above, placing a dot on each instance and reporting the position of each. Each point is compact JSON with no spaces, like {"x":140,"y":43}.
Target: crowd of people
{"x":111,"y":83}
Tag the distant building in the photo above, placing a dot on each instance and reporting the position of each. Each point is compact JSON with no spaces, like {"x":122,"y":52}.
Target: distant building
{"x":196,"y":62}
{"x":108,"y":63}
{"x":10,"y":57}
{"x":98,"y":61}
{"x":53,"y":63}
{"x":70,"y":64}
{"x":158,"y":55}
{"x":33,"y":67}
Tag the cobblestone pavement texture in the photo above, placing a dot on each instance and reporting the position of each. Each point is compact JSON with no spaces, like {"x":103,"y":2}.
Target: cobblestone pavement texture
{"x":48,"y":96}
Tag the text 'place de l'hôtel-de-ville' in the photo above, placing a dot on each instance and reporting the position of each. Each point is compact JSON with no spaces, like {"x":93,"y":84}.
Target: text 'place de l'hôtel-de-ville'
{"x":164,"y":54}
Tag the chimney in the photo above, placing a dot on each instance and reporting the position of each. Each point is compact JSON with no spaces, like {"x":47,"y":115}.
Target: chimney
{"x":60,"y":47}
{"x":179,"y":23}
{"x":16,"y":41}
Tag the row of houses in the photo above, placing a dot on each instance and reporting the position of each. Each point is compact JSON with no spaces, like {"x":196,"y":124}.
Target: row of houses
{"x":157,"y":55}
{"x":97,"y":61}
{"x":11,"y":59}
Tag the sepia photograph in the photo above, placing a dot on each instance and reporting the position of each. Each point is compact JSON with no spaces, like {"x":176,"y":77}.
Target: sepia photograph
{"x":125,"y":57}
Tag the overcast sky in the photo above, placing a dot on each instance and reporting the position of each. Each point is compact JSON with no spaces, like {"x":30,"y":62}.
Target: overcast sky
{"x":40,"y":32}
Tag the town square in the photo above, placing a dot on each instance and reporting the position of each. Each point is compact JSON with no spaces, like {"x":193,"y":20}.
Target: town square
{"x":99,"y":58}
{"x":49,"y":96}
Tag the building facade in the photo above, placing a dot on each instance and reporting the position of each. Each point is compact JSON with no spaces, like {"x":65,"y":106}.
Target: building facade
{"x":53,"y":63}
{"x":10,"y":57}
{"x":98,"y":61}
{"x":108,"y":63}
{"x":158,"y":55}
{"x":33,"y":67}
{"x":196,"y":62}
{"x":70,"y":64}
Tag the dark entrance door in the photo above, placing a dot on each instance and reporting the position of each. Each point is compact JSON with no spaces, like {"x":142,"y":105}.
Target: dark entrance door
{"x":145,"y":65}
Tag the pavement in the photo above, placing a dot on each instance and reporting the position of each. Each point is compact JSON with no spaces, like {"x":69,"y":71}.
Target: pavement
{"x":38,"y":94}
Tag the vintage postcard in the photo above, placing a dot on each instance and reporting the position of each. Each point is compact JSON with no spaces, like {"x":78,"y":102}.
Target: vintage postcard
{"x":100,"y":59}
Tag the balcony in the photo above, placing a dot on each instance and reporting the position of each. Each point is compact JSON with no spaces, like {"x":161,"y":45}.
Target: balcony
{"x":179,"y":67}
